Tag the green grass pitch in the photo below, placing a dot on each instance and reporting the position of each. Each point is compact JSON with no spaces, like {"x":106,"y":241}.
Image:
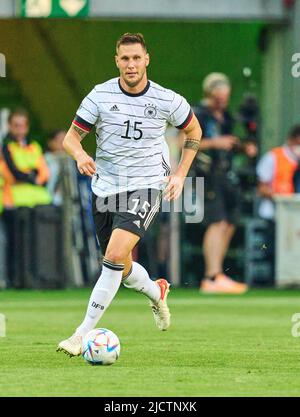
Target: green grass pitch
{"x":216,"y":346}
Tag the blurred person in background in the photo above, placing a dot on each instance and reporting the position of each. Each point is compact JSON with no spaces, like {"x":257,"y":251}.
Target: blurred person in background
{"x":54,"y":156}
{"x":277,"y":171}
{"x":221,"y":209}
{"x":24,"y":169}
{"x":24,"y":174}
{"x":2,"y":234}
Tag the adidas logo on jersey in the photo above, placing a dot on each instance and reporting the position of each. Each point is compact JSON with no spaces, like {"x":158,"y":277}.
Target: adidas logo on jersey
{"x":137,"y":223}
{"x":114,"y":108}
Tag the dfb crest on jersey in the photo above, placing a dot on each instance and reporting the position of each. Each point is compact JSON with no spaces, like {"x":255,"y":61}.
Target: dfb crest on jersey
{"x":150,"y":111}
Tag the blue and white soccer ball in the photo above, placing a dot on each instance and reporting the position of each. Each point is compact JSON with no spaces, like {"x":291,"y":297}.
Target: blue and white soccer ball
{"x":101,"y":347}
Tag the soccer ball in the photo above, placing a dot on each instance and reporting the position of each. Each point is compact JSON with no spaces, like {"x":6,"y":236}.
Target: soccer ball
{"x":100,"y":347}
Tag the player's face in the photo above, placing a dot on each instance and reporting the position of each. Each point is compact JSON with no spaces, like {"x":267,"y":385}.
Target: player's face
{"x":132,"y":61}
{"x":220,"y":97}
{"x":19,"y":126}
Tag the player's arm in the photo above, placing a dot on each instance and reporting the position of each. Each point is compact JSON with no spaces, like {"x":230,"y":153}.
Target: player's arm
{"x":190,"y":147}
{"x":72,"y":144}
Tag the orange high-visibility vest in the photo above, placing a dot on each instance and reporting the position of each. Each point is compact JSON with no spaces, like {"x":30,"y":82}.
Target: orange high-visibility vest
{"x":285,"y":168}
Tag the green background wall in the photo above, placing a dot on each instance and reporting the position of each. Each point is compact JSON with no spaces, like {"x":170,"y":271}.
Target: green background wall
{"x":182,"y":53}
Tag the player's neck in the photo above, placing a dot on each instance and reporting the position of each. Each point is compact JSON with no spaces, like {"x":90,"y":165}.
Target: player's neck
{"x":137,"y":88}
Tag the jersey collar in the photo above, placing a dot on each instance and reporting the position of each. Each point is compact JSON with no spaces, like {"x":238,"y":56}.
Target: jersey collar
{"x":134,"y":94}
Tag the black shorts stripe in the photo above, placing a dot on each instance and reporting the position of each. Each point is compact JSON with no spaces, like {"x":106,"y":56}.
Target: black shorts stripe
{"x":153,"y":212}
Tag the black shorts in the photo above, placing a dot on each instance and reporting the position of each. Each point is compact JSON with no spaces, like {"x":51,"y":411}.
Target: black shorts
{"x":221,"y":200}
{"x":133,"y":211}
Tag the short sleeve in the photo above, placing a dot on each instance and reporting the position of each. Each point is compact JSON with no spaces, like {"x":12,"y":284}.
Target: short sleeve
{"x":265,"y":168}
{"x":88,"y":113}
{"x":180,"y":112}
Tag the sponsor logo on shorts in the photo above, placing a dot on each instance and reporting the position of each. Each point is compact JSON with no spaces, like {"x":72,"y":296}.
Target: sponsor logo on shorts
{"x":137,"y":223}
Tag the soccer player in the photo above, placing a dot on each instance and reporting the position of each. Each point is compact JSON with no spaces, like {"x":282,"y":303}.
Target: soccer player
{"x":130,"y":175}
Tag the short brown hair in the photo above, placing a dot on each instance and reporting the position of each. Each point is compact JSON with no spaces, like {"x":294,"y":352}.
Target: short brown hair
{"x":18,"y":112}
{"x":131,"y":38}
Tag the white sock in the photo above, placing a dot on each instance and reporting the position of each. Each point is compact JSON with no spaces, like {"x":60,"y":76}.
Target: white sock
{"x":139,"y":280}
{"x":102,"y":295}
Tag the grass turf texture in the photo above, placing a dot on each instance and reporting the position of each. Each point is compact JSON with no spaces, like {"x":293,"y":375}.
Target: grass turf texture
{"x":217,"y":346}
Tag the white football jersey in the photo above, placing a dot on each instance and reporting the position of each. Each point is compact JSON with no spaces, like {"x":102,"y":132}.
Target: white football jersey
{"x":131,"y":150}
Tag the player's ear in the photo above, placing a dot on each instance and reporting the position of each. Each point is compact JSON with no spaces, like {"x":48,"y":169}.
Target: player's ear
{"x":116,"y":61}
{"x":147,"y":59}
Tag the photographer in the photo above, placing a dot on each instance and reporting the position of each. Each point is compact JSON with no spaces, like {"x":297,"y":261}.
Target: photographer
{"x":221,"y":190}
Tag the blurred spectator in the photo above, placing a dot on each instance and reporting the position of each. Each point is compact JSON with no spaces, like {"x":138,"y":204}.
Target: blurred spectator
{"x":25,"y":174}
{"x":1,"y":182}
{"x":54,"y":158}
{"x":276,"y":172}
{"x":24,"y":169}
{"x":222,"y":192}
{"x":2,"y":235}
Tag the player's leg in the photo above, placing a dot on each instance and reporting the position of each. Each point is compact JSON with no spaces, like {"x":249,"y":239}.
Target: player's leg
{"x":157,"y":291}
{"x":110,"y":279}
{"x":135,"y":276}
{"x":105,"y":288}
{"x":103,"y":213}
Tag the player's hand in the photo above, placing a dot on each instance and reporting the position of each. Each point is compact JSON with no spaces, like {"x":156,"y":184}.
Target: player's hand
{"x":174,"y":187}
{"x":225,"y":142}
{"x":85,"y":164}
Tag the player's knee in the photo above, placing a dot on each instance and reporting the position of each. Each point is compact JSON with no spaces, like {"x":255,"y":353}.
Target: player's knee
{"x":116,"y":255}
